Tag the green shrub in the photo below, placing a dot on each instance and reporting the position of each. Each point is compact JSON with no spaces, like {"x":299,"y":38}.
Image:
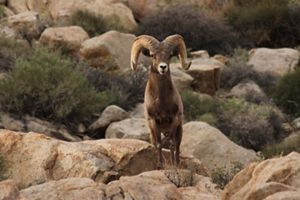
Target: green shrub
{"x":10,"y":50}
{"x":47,"y":85}
{"x":287,"y":93}
{"x":199,"y":30}
{"x":288,"y":145}
{"x":238,"y":71}
{"x":2,"y":12}
{"x":265,"y":22}
{"x":222,"y":177}
{"x":2,"y":168}
{"x":95,"y":24}
{"x":128,"y":90}
{"x":249,"y":125}
{"x":196,"y":107}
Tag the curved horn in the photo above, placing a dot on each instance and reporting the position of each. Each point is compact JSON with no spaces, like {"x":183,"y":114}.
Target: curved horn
{"x":176,"y":41}
{"x":140,"y":43}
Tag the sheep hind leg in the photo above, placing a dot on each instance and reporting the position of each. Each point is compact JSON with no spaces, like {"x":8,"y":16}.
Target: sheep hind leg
{"x":177,"y":144}
{"x":156,"y":141}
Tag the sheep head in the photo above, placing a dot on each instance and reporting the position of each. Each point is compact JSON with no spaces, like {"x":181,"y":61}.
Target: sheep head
{"x":161,"y":52}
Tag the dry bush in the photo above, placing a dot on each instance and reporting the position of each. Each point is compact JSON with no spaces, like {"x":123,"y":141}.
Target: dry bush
{"x":199,"y":30}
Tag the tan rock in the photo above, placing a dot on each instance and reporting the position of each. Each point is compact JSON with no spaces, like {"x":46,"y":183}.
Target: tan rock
{"x":163,"y":185}
{"x":113,"y":45}
{"x":7,"y":12}
{"x":276,"y":61}
{"x":63,"y":9}
{"x":66,"y":189}
{"x":180,"y":78}
{"x":24,"y":23}
{"x":206,"y":74}
{"x":242,"y":90}
{"x":200,"y":54}
{"x":68,"y":37}
{"x":212,"y":147}
{"x":273,"y":179}
{"x":35,"y":158}
{"x":109,"y":115}
{"x":9,"y":190}
{"x":8,"y":32}
{"x":132,"y":128}
{"x":223,"y":59}
{"x":18,"y":6}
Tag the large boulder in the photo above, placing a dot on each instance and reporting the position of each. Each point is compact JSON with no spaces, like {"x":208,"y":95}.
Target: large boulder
{"x":26,"y":23}
{"x":112,"y":46}
{"x":212,"y":147}
{"x":206,"y":74}
{"x":66,"y":189}
{"x":109,"y":115}
{"x":133,"y":128}
{"x":276,"y":61}
{"x":273,"y":179}
{"x":62,"y":9}
{"x":33,"y":158}
{"x":163,"y":185}
{"x":67,"y":37}
{"x":18,"y":6}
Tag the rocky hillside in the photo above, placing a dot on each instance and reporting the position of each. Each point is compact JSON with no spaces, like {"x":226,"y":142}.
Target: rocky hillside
{"x":72,"y":120}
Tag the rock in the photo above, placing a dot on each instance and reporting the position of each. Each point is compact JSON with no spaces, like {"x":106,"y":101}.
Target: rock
{"x":200,"y":54}
{"x":109,"y":115}
{"x":113,"y":46}
{"x":33,"y":158}
{"x":2,"y":2}
{"x":296,"y":123}
{"x":8,"y":122}
{"x":9,"y":190}
{"x":206,"y":74}
{"x":18,"y":6}
{"x":132,"y":128}
{"x":25,"y":23}
{"x":212,"y":147}
{"x":63,"y":9}
{"x":69,"y":37}
{"x":244,"y":89}
{"x":276,"y":61}
{"x":223,"y":59}
{"x":6,"y":11}
{"x":272,"y":179}
{"x":163,"y":185}
{"x":56,"y":131}
{"x":5,"y":31}
{"x":180,"y":78}
{"x":66,"y":189}
{"x":138,"y":111}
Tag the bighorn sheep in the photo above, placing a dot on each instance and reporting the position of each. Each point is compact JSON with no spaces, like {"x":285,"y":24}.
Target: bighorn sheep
{"x":163,"y":104}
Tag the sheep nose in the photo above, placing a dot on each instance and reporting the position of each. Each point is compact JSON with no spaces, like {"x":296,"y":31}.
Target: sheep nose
{"x":163,"y":66}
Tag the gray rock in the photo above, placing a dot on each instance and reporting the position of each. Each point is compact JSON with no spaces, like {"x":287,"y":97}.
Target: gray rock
{"x":109,"y":115}
{"x":133,"y":128}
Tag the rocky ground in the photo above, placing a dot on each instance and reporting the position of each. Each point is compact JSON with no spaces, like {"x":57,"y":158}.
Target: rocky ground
{"x":40,"y":167}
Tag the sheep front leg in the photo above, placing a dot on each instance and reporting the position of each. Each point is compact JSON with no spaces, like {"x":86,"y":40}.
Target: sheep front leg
{"x":156,"y":140}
